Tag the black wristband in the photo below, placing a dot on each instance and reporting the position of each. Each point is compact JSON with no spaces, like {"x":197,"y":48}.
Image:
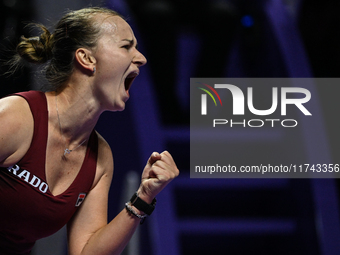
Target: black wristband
{"x":141,"y":205}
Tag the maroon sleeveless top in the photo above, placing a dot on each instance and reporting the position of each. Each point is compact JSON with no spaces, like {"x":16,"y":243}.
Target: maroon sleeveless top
{"x":28,"y":210}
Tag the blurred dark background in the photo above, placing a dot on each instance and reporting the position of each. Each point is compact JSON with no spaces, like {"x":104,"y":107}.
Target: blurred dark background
{"x":202,"y":38}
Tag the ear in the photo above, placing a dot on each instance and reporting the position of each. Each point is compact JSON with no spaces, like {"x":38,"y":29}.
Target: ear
{"x":85,"y":59}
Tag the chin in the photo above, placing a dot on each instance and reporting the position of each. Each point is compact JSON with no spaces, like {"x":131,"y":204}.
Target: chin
{"x":118,"y":104}
{"x":119,"y":108}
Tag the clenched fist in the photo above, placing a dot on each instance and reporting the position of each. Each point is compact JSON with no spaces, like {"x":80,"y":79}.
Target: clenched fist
{"x":158,"y":172}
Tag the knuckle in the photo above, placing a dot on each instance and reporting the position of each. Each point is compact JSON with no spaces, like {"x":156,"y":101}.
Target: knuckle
{"x":166,"y":153}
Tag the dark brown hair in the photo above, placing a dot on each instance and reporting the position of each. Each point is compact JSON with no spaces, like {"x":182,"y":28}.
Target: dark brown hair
{"x":74,"y":30}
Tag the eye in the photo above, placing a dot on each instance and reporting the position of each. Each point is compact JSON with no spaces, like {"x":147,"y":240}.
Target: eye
{"x":127,"y":46}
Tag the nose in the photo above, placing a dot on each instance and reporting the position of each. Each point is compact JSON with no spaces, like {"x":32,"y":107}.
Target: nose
{"x":139,"y":59}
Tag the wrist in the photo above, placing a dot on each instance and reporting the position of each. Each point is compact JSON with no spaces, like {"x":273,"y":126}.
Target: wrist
{"x":142,"y":205}
{"x":140,"y":208}
{"x":144,"y":196}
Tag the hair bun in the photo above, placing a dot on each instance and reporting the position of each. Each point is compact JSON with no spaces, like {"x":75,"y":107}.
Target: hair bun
{"x":37,"y":49}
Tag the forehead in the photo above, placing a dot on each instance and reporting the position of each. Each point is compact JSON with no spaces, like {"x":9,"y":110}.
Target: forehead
{"x":115,"y":25}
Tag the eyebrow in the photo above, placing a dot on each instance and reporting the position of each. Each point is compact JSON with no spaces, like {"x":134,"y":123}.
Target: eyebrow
{"x":132,"y":42}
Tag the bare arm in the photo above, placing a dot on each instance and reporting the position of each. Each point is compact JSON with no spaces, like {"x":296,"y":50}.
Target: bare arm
{"x":90,"y":234}
{"x":16,"y":129}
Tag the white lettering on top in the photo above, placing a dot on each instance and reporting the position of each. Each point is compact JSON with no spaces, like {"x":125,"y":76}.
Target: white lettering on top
{"x":34,"y":181}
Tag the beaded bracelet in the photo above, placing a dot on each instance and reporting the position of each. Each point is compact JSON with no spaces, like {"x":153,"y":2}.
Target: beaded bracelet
{"x":132,"y":211}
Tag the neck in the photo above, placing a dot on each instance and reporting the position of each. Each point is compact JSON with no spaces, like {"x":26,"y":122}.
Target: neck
{"x":74,"y":114}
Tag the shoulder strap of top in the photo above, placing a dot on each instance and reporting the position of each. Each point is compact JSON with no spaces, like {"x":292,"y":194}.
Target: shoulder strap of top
{"x":38,"y":105}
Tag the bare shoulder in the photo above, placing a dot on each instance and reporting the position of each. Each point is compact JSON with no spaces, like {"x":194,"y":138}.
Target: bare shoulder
{"x":104,"y":161}
{"x":16,"y":129}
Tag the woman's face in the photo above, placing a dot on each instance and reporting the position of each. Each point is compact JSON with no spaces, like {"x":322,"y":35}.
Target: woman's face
{"x":117,"y":63}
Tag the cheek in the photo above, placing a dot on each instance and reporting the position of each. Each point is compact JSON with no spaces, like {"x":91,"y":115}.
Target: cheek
{"x":113,"y":64}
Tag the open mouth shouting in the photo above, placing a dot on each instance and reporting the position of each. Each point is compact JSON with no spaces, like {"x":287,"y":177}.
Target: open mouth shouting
{"x":129,"y":80}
